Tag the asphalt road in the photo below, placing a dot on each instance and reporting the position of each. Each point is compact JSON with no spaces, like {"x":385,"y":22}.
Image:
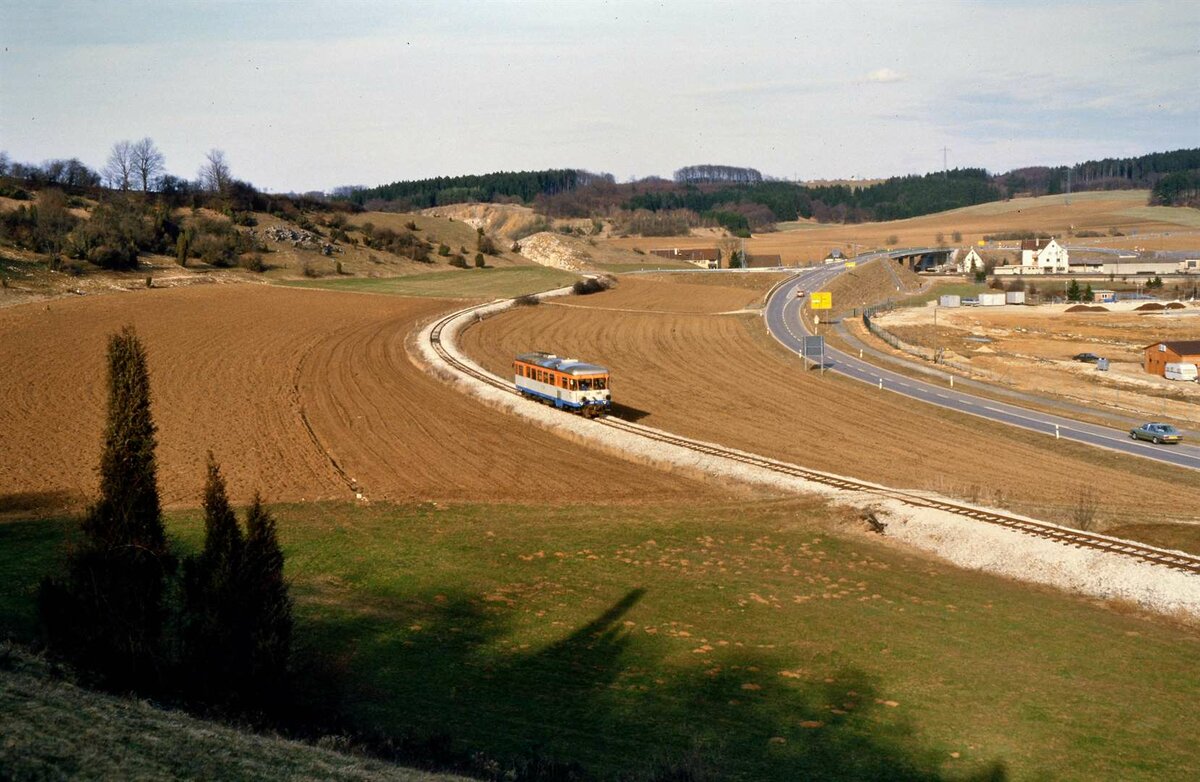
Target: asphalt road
{"x":782,"y":315}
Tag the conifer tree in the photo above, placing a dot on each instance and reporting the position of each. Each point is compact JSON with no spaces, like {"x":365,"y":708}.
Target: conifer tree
{"x":106,"y":615}
{"x":267,"y":601}
{"x":214,"y":619}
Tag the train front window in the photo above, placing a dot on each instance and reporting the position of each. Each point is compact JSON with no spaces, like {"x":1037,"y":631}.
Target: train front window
{"x":585,"y":385}
{"x":601,"y":383}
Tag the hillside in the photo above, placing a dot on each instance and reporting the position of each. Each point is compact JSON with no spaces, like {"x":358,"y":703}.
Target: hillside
{"x":1121,"y":212}
{"x":55,"y":730}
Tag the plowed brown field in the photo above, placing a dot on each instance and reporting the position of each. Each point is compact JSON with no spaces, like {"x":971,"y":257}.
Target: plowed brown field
{"x":241,"y":369}
{"x":721,"y":378}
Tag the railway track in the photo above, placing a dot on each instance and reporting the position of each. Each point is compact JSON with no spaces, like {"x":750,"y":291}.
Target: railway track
{"x":1169,"y":559}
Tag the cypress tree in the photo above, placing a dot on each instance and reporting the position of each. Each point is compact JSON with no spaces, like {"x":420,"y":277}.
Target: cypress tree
{"x":267,"y":601}
{"x":214,"y":628}
{"x":106,"y":614}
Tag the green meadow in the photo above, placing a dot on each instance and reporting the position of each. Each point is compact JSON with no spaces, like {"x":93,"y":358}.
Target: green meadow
{"x":769,"y":640}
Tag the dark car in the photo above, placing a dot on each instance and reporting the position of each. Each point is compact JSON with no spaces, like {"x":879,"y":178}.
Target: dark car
{"x":1157,"y":433}
{"x":1087,"y":358}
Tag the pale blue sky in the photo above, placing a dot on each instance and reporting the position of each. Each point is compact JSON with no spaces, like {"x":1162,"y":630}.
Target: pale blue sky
{"x":305,"y":95}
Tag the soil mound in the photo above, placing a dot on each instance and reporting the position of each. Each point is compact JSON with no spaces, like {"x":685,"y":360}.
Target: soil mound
{"x":1151,"y":306}
{"x":1176,"y":305}
{"x":1087,"y":308}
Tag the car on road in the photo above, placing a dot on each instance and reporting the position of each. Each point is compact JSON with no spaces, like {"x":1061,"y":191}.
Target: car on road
{"x":801,"y":293}
{"x":1087,"y":358}
{"x":1156,"y":433}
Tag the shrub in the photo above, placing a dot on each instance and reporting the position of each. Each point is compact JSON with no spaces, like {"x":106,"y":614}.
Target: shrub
{"x":528,"y":300}
{"x":243,"y":218}
{"x":639,"y":251}
{"x":149,"y":281}
{"x":254,"y":263}
{"x":412,"y":226}
{"x":458,"y":261}
{"x":591,"y":285}
{"x":892,"y":240}
{"x":484,"y":243}
{"x":443,"y":250}
{"x":308,"y":270}
{"x":479,"y":260}
{"x":337,"y":267}
{"x":183,"y":248}
{"x":516,"y":248}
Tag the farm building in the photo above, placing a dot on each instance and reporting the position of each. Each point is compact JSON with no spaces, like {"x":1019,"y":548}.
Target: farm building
{"x":705,"y":258}
{"x":971,"y":262}
{"x":1158,"y":355}
{"x":1044,"y":256}
{"x":834,"y":256}
{"x":1104,"y":297}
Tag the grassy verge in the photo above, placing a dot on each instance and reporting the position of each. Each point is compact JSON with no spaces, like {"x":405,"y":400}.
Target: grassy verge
{"x":502,"y":282}
{"x":745,"y":640}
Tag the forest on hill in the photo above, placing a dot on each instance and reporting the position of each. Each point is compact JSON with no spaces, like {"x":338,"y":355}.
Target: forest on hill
{"x":744,"y":200}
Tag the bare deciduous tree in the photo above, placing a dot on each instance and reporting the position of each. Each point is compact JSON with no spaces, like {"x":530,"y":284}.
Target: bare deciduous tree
{"x":148,"y":162}
{"x":119,"y":169}
{"x":214,"y":172}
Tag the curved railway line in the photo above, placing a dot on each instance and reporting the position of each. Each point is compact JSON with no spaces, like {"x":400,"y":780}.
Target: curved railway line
{"x":1179,"y":561}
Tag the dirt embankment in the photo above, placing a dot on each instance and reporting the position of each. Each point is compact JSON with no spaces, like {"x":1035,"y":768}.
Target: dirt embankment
{"x":720,"y":378}
{"x":280,"y":384}
{"x":871,"y":283}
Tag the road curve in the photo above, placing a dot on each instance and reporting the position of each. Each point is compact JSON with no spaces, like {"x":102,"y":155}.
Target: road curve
{"x":782,"y":315}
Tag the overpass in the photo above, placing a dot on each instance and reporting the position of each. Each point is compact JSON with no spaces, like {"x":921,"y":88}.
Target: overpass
{"x":919,"y":259}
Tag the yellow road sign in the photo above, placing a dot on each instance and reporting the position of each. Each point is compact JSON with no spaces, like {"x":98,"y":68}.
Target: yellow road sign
{"x":851,"y":264}
{"x":821,"y":300}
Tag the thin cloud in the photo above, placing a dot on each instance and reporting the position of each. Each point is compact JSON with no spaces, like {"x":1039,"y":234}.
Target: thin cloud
{"x":884,"y":76}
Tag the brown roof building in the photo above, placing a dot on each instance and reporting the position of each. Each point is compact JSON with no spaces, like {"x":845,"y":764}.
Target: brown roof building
{"x":699,"y":255}
{"x":1158,"y":355}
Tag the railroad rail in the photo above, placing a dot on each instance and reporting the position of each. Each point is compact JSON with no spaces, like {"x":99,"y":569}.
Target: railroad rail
{"x":1160,"y":557}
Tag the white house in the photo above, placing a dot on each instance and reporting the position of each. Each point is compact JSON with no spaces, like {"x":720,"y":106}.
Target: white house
{"x":971,"y":262}
{"x":1044,"y":256}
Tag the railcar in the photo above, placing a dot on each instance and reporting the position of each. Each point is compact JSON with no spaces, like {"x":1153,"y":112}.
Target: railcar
{"x":566,"y":383}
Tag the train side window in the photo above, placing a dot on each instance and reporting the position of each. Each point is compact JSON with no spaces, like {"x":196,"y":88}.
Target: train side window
{"x":573,"y":385}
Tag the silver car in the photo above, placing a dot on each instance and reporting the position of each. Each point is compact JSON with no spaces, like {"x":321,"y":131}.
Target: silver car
{"x":1157,"y":433}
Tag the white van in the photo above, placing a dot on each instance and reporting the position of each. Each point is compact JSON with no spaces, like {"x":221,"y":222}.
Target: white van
{"x":1180,"y":372}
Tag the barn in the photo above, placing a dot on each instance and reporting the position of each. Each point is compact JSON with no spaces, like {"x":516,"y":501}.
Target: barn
{"x":1158,"y":355}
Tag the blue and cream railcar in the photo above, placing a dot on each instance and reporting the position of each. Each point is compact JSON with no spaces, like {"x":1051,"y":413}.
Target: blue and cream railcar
{"x":566,"y":383}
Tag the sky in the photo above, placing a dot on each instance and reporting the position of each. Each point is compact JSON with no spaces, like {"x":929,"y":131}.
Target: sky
{"x":312,"y":95}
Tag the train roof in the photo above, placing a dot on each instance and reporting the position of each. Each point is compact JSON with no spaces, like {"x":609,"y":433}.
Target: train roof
{"x":569,"y":366}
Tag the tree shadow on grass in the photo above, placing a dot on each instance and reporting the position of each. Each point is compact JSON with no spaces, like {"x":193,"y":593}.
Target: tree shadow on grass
{"x":604,"y":701}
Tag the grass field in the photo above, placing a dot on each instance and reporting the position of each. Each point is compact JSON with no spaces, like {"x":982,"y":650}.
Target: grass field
{"x":55,"y":730}
{"x":754,"y":641}
{"x":498,"y":283}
